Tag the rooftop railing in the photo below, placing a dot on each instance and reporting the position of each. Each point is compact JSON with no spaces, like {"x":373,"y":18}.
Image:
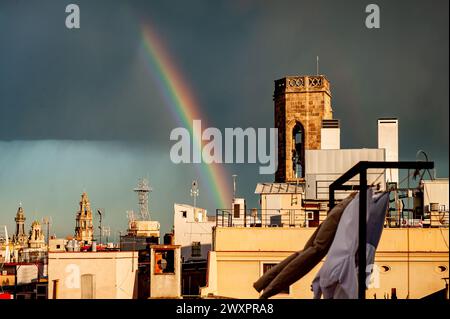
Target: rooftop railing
{"x":269,"y":218}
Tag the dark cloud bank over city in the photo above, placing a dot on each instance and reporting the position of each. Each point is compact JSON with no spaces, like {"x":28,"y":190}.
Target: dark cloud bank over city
{"x":64,"y":91}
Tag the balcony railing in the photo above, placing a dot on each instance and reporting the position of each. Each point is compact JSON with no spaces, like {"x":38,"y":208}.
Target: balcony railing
{"x":269,"y":218}
{"x":312,"y":218}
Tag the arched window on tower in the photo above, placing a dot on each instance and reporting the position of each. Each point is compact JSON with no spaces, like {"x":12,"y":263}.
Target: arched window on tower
{"x":298,"y":152}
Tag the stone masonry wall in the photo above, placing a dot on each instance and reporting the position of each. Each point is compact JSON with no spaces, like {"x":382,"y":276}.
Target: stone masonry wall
{"x":299,"y":99}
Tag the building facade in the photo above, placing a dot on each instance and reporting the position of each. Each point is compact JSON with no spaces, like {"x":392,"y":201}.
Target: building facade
{"x":412,"y":260}
{"x":92,"y":275}
{"x":412,"y":257}
{"x":193,"y":232}
{"x":165,"y":271}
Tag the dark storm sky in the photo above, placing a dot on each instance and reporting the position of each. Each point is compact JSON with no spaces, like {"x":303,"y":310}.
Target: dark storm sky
{"x":91,"y":85}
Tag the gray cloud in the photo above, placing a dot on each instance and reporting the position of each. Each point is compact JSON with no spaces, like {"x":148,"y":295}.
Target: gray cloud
{"x":92,"y":83}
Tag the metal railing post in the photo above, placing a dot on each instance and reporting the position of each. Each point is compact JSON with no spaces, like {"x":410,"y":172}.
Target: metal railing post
{"x":330,"y":198}
{"x":245,"y":216}
{"x":362,"y":233}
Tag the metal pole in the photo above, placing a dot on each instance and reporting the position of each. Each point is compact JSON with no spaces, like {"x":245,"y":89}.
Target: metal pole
{"x":234,"y":185}
{"x":362,"y":233}
{"x":331,"y":198}
{"x":48,"y":233}
{"x":245,"y":216}
{"x":317,"y":65}
{"x":100,"y":227}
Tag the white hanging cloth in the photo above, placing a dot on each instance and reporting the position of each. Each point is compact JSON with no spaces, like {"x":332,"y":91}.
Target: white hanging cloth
{"x":338,"y":277}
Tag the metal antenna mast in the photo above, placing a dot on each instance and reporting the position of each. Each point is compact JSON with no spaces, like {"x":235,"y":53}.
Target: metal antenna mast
{"x":101,"y":214}
{"x":234,"y":186}
{"x":142,"y":190}
{"x":47,"y":221}
{"x":106,"y":230}
{"x":317,"y":64}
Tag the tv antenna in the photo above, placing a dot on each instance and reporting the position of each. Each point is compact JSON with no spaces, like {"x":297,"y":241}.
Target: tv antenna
{"x":130,"y":216}
{"x":143,"y":189}
{"x":131,"y":220}
{"x":194,"y":191}
{"x":106,"y":230}
{"x":47,"y":221}
{"x":101,"y":214}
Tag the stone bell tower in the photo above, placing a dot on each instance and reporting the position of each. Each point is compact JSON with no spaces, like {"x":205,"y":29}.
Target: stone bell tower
{"x":36,"y":239}
{"x":20,"y":236}
{"x":301,"y":105}
{"x":84,"y":230}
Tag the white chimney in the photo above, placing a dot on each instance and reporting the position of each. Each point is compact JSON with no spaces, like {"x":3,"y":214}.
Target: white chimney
{"x":388,"y":140}
{"x":330,"y":135}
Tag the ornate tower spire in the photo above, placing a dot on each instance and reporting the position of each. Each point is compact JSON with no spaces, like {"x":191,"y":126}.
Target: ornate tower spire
{"x":84,"y":228}
{"x":20,"y":236}
{"x":36,"y":239}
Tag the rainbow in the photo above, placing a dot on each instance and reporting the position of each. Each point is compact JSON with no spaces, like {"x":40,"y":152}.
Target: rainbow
{"x":183,"y":107}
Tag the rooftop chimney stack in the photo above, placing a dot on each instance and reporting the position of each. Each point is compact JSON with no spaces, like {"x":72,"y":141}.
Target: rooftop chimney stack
{"x":388,"y":139}
{"x":330,"y":135}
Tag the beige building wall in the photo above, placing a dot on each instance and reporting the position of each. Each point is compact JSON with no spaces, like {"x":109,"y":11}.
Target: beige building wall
{"x":413,"y":258}
{"x":436,"y":191}
{"x":114,"y":274}
{"x":165,"y":285}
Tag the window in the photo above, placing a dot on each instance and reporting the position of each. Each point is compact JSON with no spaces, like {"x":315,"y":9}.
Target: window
{"x":313,"y":218}
{"x":184,"y":213}
{"x":164,"y":262}
{"x":58,"y":246}
{"x":266,"y":268}
{"x":298,"y":151}
{"x":236,"y":210}
{"x":196,"y":249}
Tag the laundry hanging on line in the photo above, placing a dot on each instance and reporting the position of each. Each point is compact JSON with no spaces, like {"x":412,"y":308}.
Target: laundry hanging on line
{"x":300,"y":263}
{"x":338,"y":277}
